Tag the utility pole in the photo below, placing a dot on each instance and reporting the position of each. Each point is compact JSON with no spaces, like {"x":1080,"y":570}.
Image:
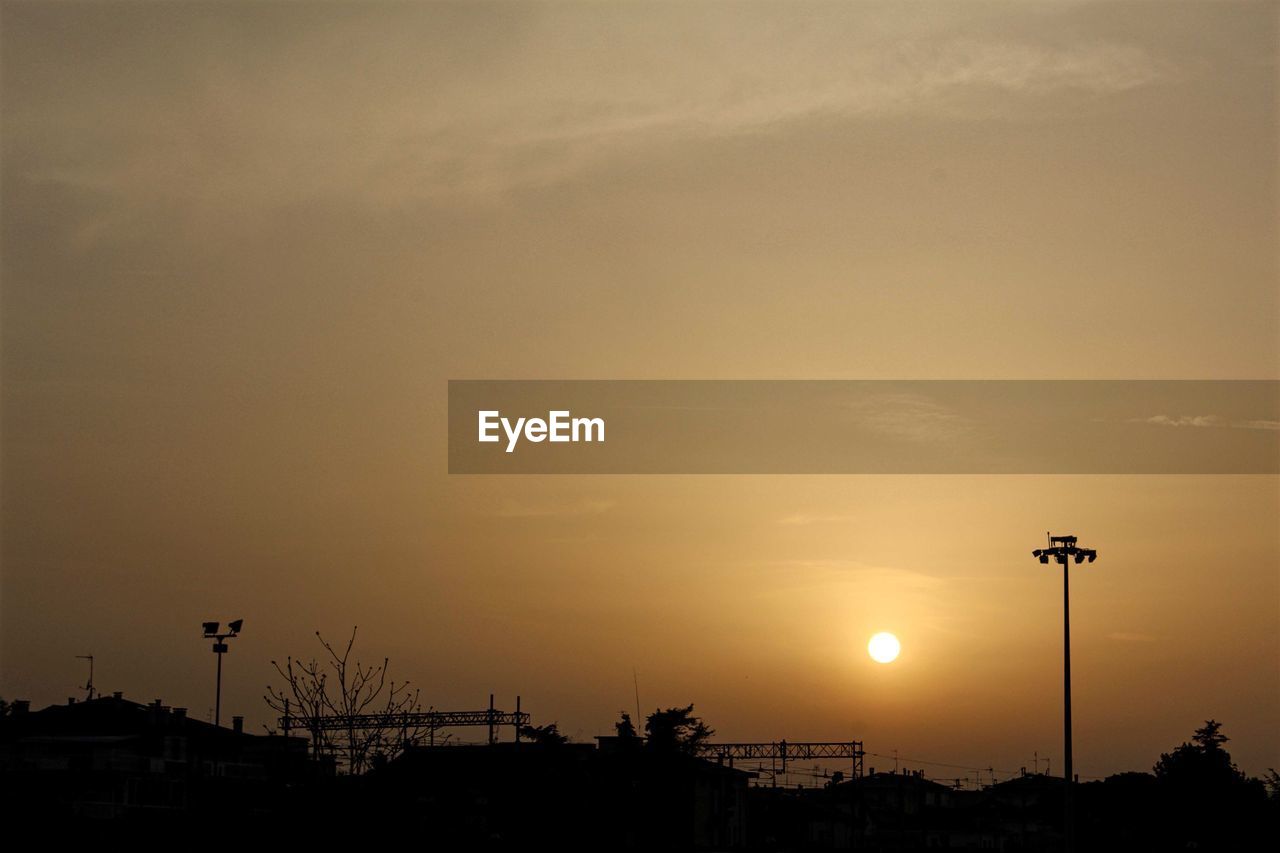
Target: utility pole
{"x":1063,"y":549}
{"x":212,"y":631}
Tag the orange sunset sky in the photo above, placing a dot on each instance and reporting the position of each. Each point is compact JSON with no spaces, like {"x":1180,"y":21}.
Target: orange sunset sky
{"x":246,"y":245}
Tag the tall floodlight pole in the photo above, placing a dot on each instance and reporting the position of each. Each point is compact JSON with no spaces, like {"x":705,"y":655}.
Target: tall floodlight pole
{"x":1063,"y":549}
{"x":212,"y":632}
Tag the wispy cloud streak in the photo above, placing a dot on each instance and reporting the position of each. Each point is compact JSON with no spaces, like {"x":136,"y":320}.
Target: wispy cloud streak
{"x":290,"y":125}
{"x":1202,"y":421}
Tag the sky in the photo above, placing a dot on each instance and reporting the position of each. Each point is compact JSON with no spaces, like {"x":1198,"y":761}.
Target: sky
{"x":245,"y":247}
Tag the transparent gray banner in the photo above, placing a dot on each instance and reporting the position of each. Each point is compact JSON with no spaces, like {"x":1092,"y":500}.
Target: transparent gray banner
{"x":864,"y":427}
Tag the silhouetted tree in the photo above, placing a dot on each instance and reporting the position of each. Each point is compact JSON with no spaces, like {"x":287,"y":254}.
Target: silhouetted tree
{"x":1201,"y":762}
{"x":625,"y":728}
{"x":320,"y":697}
{"x":676,"y":730}
{"x":1209,"y":802}
{"x":548,"y":735}
{"x":1271,"y":780}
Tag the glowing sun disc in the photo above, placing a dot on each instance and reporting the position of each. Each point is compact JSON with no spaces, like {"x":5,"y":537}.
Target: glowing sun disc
{"x":884,"y":647}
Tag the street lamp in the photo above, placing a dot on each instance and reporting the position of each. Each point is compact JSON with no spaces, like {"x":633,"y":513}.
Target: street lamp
{"x":211,"y":631}
{"x":1062,"y":549}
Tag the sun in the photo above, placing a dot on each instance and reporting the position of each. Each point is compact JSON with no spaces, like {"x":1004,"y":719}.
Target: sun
{"x":884,"y":647}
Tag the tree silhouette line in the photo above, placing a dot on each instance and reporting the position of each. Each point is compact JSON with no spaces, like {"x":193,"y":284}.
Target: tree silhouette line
{"x":1195,"y":796}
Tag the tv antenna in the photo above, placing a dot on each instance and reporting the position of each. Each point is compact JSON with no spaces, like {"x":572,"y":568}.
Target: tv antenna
{"x":635,"y":679}
{"x":88,"y":684}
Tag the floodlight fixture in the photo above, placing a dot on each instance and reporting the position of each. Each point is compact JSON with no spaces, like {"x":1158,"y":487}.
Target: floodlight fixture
{"x":213,"y":631}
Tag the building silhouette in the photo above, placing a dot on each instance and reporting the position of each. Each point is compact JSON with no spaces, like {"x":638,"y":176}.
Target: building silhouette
{"x":112,"y":759}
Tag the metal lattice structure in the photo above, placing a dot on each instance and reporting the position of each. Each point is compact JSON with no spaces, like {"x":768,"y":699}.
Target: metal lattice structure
{"x":415,"y":726}
{"x":782,"y":751}
{"x":421,"y":719}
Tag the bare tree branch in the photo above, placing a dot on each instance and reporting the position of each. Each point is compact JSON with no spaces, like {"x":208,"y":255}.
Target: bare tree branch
{"x":308,"y":699}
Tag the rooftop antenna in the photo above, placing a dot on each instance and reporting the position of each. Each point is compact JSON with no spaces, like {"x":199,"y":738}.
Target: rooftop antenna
{"x":635,"y":679}
{"x":88,"y":684}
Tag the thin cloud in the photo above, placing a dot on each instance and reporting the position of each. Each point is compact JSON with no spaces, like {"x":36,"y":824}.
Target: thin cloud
{"x":586,"y":507}
{"x":1203,"y":421}
{"x":1126,"y":637}
{"x":913,"y":417}
{"x":802,"y":519}
{"x":886,"y":575}
{"x":1256,"y":424}
{"x":290,"y":126}
{"x":1181,"y":421}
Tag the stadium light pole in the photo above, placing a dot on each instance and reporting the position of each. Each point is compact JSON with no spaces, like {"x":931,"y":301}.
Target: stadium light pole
{"x":212,"y":631}
{"x":1062,"y":549}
